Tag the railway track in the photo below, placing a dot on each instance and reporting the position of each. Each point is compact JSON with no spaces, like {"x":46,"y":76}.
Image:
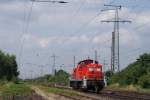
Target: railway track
{"x":109,"y":94}
{"x":125,"y":95}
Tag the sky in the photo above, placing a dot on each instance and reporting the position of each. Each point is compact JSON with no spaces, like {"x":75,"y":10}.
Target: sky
{"x":34,"y":32}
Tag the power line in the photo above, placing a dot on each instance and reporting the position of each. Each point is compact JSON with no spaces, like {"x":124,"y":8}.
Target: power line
{"x":86,"y":24}
{"x":52,"y":1}
{"x":25,"y":29}
{"x":112,"y":2}
{"x":77,"y":11}
{"x":83,"y":26}
{"x":140,"y":26}
{"x":133,"y":51}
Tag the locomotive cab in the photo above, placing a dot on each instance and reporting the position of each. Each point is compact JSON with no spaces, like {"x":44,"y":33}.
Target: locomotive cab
{"x":88,"y":76}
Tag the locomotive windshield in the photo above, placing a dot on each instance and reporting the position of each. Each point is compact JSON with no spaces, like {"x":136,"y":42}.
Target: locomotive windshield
{"x":88,"y":61}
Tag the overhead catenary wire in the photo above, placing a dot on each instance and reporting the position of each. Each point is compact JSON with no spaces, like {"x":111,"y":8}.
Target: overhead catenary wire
{"x":76,"y":13}
{"x":26,"y":23}
{"x":88,"y":23}
{"x":111,"y":2}
{"x":83,"y":26}
{"x":80,"y":7}
{"x":141,"y":26}
{"x":127,"y":54}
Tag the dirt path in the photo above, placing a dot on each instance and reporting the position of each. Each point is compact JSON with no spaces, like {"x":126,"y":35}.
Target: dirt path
{"x":48,"y":96}
{"x":81,"y":96}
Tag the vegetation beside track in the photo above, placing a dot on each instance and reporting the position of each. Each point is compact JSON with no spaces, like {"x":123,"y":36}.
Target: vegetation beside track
{"x":130,"y":88}
{"x":10,"y":85}
{"x":11,"y":89}
{"x":60,"y":77}
{"x":58,"y":91}
{"x":135,"y":77}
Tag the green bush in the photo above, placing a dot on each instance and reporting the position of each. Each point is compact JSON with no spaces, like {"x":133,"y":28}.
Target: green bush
{"x":11,"y":89}
{"x":60,"y":77}
{"x":136,"y":73}
{"x":144,"y":81}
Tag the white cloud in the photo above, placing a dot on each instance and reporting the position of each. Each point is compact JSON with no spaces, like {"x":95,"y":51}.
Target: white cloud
{"x":129,"y":38}
{"x":44,"y":42}
{"x":101,"y":38}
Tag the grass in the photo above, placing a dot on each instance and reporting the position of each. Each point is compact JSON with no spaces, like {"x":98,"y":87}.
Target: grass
{"x":131,"y":88}
{"x":58,"y":91}
{"x":11,"y":89}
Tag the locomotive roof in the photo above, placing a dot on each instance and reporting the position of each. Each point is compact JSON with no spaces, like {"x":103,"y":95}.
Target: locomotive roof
{"x":88,"y":61}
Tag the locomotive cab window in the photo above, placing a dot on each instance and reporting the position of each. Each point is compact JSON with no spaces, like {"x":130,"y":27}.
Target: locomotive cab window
{"x":89,"y":61}
{"x":80,"y":67}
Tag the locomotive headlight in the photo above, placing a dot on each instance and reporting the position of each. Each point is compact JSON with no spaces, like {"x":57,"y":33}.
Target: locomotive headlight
{"x":91,"y":69}
{"x":98,"y":69}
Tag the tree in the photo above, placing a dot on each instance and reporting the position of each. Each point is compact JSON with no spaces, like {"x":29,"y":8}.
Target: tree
{"x":8,"y":66}
{"x":144,"y":81}
{"x":136,"y":73}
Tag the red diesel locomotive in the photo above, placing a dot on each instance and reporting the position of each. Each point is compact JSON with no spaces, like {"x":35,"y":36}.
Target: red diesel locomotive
{"x":87,"y":75}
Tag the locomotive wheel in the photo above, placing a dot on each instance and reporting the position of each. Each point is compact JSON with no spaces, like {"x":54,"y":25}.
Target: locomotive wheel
{"x":76,"y":85}
{"x":84,"y":90}
{"x":96,"y":89}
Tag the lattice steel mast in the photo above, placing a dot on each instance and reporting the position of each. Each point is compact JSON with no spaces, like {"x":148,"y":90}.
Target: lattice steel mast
{"x":115,"y":48}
